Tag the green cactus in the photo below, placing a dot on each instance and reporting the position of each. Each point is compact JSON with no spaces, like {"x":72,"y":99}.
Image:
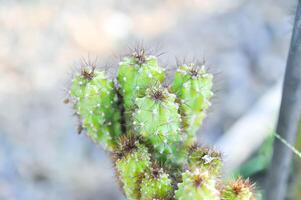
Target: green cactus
{"x":135,"y":75}
{"x":197,"y":184}
{"x":238,"y":190}
{"x":205,"y":158}
{"x":151,"y":129}
{"x":156,"y":185}
{"x":193,"y":86}
{"x":157,"y":120}
{"x":95,"y":102}
{"x":131,"y":167}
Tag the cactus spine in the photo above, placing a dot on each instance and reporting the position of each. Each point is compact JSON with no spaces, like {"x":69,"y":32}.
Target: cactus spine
{"x":151,"y":129}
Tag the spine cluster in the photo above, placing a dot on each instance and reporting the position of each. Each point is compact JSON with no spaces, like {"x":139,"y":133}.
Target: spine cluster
{"x":150,"y":129}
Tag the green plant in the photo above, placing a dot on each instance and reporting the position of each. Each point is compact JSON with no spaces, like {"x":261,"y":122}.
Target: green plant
{"x":151,"y":129}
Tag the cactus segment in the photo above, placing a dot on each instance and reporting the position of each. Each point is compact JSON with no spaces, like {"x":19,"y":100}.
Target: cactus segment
{"x":157,"y":120}
{"x":193,"y":87}
{"x":197,"y":184}
{"x":137,"y":73}
{"x":205,"y":158}
{"x":131,"y":169}
{"x":156,"y":185}
{"x":238,"y":190}
{"x":95,"y":103}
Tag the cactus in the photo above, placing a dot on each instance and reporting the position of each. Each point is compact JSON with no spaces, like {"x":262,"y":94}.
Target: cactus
{"x":135,"y":75}
{"x":157,"y":120}
{"x":238,"y":190}
{"x":197,"y":184}
{"x":206,"y":158}
{"x":156,"y":185}
{"x":150,"y":129}
{"x":193,"y":86}
{"x":132,"y":162}
{"x":95,"y":102}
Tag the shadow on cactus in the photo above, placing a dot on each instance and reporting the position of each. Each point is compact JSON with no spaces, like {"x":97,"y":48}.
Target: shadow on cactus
{"x":150,"y":129}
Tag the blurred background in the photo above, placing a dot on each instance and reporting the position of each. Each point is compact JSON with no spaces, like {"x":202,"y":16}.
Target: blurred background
{"x":245,"y":44}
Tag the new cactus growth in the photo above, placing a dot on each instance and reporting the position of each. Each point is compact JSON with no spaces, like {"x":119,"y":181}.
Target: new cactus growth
{"x":238,"y":190}
{"x":95,"y":101}
{"x":131,"y":167}
{"x":197,"y":184}
{"x":204,"y":158}
{"x":156,"y":185}
{"x":151,"y":129}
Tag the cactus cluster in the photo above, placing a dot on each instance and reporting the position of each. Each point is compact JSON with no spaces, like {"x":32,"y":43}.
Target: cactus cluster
{"x":150,"y":129}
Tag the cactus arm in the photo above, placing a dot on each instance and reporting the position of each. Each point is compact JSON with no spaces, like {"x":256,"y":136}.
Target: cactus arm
{"x":193,"y":87}
{"x":157,"y":120}
{"x":131,"y":168}
{"x":95,"y":102}
{"x":238,"y":190}
{"x":135,"y":78}
{"x":206,"y":159}
{"x":197,"y":184}
{"x":156,"y":186}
